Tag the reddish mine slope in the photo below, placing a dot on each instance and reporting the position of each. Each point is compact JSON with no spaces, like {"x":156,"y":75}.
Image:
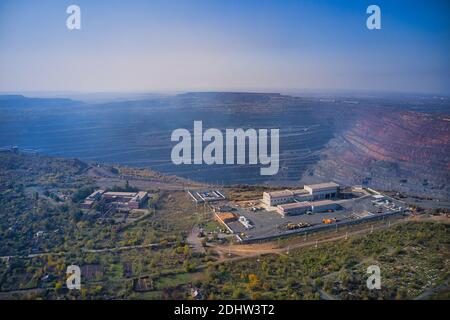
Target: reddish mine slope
{"x":404,"y":151}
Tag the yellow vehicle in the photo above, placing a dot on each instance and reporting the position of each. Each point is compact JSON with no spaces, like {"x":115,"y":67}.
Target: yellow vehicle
{"x":328,"y":221}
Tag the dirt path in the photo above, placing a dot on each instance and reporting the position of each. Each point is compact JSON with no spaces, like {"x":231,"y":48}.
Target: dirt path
{"x":195,"y":242}
{"x":105,"y":178}
{"x":112,"y":249}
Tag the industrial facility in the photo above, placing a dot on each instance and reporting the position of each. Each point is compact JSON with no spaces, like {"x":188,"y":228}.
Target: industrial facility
{"x":312,"y":198}
{"x":311,"y":192}
{"x":120,"y":200}
{"x":313,"y":208}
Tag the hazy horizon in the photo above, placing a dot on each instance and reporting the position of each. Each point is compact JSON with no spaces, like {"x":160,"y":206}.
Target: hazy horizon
{"x":256,"y":46}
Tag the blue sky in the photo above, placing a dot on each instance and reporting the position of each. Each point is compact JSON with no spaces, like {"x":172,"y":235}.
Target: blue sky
{"x":241,"y":45}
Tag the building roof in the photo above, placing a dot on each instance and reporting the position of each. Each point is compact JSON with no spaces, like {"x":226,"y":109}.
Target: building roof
{"x":300,"y":192}
{"x":304,"y":204}
{"x":139,"y":196}
{"x":321,"y":186}
{"x":120,"y":194}
{"x":322,"y":202}
{"x":287,"y":193}
{"x":95,"y":193}
{"x":305,"y":196}
{"x":282,"y":193}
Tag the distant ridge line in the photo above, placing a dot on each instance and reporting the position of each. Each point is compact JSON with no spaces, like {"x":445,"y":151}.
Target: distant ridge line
{"x":230,"y":93}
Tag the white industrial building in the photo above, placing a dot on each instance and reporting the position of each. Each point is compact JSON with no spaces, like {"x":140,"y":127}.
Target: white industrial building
{"x":284,"y":196}
{"x":328,"y":190}
{"x":311,"y":192}
{"x":295,"y":208}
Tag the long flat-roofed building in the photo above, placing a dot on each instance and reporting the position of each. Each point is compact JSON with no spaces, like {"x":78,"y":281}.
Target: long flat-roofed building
{"x":285,"y":196}
{"x":295,"y":208}
{"x":277,"y":197}
{"x":328,"y":190}
{"x":124,"y":200}
{"x":311,"y":192}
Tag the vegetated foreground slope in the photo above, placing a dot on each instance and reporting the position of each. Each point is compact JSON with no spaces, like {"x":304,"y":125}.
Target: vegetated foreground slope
{"x":398,"y":150}
{"x":39,"y":193}
{"x":413,"y":258}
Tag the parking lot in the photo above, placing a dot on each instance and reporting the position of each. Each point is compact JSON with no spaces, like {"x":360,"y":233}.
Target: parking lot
{"x":269,"y":224}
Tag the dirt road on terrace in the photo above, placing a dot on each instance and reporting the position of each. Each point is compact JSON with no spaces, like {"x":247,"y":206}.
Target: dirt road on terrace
{"x":105,"y":178}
